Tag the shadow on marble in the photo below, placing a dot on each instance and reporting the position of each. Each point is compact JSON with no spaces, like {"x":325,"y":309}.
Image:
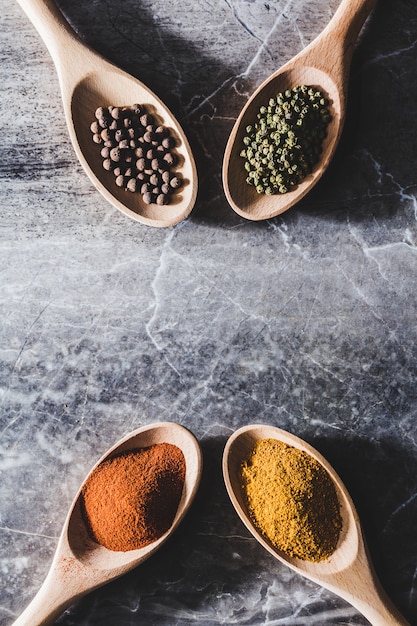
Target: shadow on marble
{"x":381,"y":478}
{"x":375,"y":161}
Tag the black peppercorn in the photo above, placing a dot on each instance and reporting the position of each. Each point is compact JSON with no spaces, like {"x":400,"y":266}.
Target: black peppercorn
{"x":146,"y":119}
{"x":115,"y":154}
{"x":104,"y":122}
{"x":169,"y":158}
{"x":167,"y":142}
{"x":105,"y":134}
{"x":131,"y":185}
{"x":137,"y":151}
{"x":119,"y":135}
{"x":175,"y":182}
{"x":161,"y":199}
{"x":100,"y":112}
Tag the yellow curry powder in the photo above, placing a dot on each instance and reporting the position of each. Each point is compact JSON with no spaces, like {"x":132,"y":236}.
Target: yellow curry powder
{"x":292,"y":500}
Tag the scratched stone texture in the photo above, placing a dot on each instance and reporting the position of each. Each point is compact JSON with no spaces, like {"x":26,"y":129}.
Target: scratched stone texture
{"x":306,"y":321}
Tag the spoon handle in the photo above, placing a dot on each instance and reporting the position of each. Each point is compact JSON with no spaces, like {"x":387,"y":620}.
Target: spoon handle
{"x":360,"y":586}
{"x":52,"y":26}
{"x":332,"y":50}
{"x":51,"y":600}
{"x":348,"y":20}
{"x":379,"y":610}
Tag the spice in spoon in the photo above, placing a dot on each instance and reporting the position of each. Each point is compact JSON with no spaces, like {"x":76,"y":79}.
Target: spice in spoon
{"x":130,"y":500}
{"x":291,"y":500}
{"x":285,"y":142}
{"x":138,"y":151}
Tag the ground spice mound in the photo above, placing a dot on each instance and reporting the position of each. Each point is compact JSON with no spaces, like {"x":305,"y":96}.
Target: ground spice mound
{"x":292,"y":500}
{"x":131,"y":500}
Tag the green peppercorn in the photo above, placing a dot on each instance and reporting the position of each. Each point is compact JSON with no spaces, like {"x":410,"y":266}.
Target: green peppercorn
{"x":285,"y":142}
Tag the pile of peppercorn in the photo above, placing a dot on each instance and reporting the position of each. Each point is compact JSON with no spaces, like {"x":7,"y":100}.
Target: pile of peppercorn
{"x":285,"y":142}
{"x":138,"y":151}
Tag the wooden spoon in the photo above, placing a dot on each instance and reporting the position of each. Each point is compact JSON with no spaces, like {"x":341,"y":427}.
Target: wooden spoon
{"x":87,"y":82}
{"x":348,"y":572}
{"x":324,"y":64}
{"x":81,"y":565}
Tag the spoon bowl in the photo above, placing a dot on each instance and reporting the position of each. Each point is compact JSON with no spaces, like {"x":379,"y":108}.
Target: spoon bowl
{"x":80,"y":564}
{"x":348,"y":572}
{"x":324,"y":65}
{"x":89,"y":81}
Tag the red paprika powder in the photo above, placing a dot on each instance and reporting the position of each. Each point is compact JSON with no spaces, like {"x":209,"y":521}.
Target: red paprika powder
{"x":131,"y":499}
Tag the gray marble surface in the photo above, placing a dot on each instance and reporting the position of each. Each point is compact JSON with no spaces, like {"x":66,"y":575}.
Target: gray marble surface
{"x":307,"y":321}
